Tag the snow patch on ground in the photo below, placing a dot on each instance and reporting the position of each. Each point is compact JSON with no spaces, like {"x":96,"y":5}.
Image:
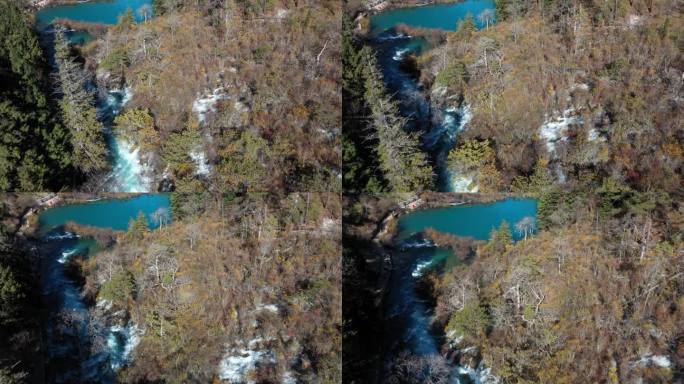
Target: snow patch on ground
{"x":281,"y":13}
{"x":267,"y":307}
{"x":237,"y":364}
{"x":560,"y":174}
{"x":207,"y":103}
{"x":594,"y":135}
{"x":105,"y":304}
{"x":635,"y":21}
{"x":580,"y":86}
{"x":454,"y":337}
{"x":329,"y":225}
{"x":654,"y":361}
{"x":240,"y":107}
{"x":555,"y":129}
{"x":288,"y":378}
{"x":199,"y":157}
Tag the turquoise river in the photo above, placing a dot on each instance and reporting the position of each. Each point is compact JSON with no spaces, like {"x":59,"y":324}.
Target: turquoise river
{"x":438,"y":127}
{"x":81,"y":348}
{"x":128,"y":173}
{"x":408,"y":316}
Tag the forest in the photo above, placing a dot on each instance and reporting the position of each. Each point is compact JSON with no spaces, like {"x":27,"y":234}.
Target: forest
{"x":225,"y":96}
{"x":233,"y":288}
{"x":378,"y":153}
{"x":226,"y":271}
{"x":578,"y":92}
{"x":35,"y":148}
{"x":20,"y":303}
{"x":596,"y":298}
{"x":271,"y":70}
{"x":594,"y":293}
{"x":575,"y":104}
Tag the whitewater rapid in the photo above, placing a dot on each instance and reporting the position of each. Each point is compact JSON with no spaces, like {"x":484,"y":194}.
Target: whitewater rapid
{"x":71,"y":331}
{"x":439,"y":130}
{"x":128,"y":173}
{"x":441,"y":139}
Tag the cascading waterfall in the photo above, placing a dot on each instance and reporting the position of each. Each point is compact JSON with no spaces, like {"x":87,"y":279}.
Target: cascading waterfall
{"x":128,"y":172}
{"x":441,"y":139}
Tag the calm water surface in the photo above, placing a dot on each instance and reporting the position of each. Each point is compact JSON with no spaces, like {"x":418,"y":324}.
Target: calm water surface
{"x":104,"y":12}
{"x":476,"y":220}
{"x":439,"y":16}
{"x":114,"y":214}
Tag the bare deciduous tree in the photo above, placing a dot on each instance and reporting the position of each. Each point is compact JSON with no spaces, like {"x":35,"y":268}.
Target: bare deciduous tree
{"x":486,"y":17}
{"x":525,"y":226}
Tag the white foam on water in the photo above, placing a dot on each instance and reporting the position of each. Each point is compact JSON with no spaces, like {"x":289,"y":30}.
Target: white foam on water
{"x":479,"y":375}
{"x":121,"y":341}
{"x":420,"y":269}
{"x":66,"y":255}
{"x":400,"y":53}
{"x":62,"y":236}
{"x":424,"y":243}
{"x":462,"y":184}
{"x":399,"y":36}
{"x":128,"y":172}
{"x":451,"y":127}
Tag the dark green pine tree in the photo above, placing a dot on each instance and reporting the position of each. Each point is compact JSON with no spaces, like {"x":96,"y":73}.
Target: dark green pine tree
{"x":361,"y":171}
{"x":10,"y":295}
{"x":405,"y":166}
{"x":500,"y":238}
{"x":549,"y":203}
{"x":504,"y":236}
{"x":34,"y":147}
{"x":138,"y":227}
{"x":466,"y":27}
{"x":126,"y":20}
{"x":78,"y":110}
{"x":502,"y":9}
{"x":158,"y":7}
